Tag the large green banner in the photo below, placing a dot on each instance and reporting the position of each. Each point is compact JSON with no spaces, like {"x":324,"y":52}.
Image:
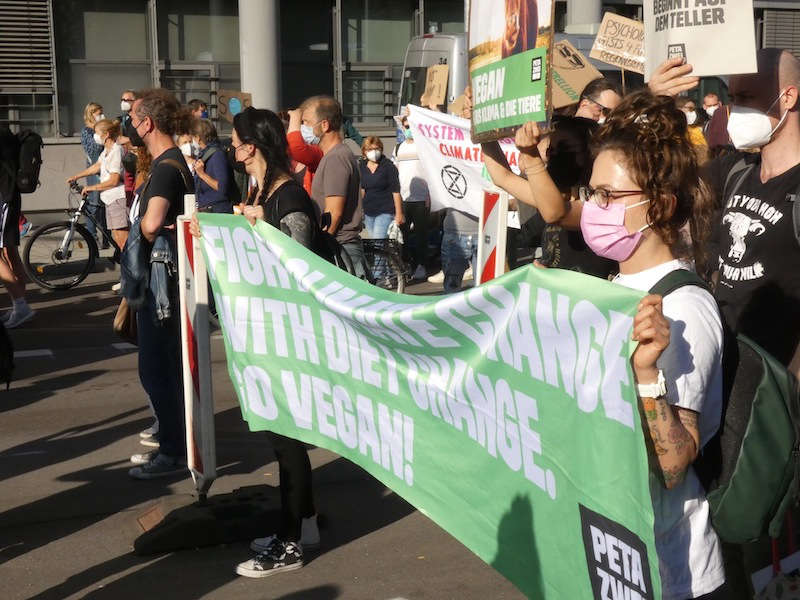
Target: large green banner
{"x":505,"y":413}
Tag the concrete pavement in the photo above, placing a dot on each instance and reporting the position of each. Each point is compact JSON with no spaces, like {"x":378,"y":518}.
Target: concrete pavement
{"x":67,"y":506}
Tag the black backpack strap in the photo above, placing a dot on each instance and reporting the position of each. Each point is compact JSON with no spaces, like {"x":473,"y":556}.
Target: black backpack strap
{"x":677,"y":279}
{"x":208,"y":153}
{"x":739,"y":172}
{"x":796,"y":215}
{"x":188,"y":180}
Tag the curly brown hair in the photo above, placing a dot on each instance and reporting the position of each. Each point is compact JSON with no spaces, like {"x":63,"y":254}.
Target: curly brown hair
{"x":165,"y":111}
{"x":651,"y":134}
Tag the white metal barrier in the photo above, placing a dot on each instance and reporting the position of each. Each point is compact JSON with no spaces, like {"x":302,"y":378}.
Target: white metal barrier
{"x":196,"y":356}
{"x":492,"y":224}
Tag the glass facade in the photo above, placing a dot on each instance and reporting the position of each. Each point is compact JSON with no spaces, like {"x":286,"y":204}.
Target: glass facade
{"x":353,"y":49}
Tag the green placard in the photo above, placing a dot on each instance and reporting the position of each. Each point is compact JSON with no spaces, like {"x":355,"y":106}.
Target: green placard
{"x":510,"y":92}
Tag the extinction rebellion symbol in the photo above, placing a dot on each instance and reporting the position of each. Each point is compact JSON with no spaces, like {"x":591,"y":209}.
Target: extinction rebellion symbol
{"x":454,"y":182}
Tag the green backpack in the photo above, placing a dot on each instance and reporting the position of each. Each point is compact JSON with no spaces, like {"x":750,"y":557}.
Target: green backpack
{"x":750,"y":467}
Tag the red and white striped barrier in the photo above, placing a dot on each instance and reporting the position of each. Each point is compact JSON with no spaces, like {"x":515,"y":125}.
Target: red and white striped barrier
{"x":196,"y":353}
{"x":492,"y":236}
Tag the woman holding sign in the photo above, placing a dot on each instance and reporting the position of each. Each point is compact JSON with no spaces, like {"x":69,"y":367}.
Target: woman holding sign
{"x":260,"y":146}
{"x":644,"y":192}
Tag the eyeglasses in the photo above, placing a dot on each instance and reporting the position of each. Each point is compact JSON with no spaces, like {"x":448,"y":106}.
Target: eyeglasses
{"x":603,"y":109}
{"x":602,"y":196}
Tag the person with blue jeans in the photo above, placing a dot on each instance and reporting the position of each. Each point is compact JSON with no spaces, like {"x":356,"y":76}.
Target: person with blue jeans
{"x":92,"y":114}
{"x":154,"y":121}
{"x":380,"y":189}
{"x":459,"y":247}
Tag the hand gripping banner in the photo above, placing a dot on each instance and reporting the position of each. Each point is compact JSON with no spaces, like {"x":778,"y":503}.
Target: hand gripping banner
{"x":505,"y":413}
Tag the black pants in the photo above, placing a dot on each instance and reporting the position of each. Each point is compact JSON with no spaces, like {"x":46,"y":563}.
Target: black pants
{"x":417,"y":213}
{"x":161,"y":375}
{"x":721,"y":593}
{"x":297,"y":502}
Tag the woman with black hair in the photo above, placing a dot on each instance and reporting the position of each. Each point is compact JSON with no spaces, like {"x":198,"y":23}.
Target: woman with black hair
{"x":260,"y":149}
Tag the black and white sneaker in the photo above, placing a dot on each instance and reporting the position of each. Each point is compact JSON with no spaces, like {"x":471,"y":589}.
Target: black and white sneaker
{"x":280,"y":556}
{"x":309,"y":537}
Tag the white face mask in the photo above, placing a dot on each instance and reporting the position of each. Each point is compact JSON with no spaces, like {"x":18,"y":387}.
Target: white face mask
{"x":601,"y":119}
{"x":309,"y":137}
{"x":374,"y":155}
{"x":691,"y":117}
{"x":710,"y":110}
{"x":186,"y":149}
{"x":749,"y":128}
{"x":97,"y":138}
{"x":98,"y":118}
{"x":125,"y":106}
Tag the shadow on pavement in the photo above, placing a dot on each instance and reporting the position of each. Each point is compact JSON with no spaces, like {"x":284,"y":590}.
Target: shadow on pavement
{"x":352,"y":502}
{"x":68,"y":443}
{"x":18,"y":397}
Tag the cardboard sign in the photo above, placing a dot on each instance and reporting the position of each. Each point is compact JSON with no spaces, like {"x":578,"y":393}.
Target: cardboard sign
{"x":715,"y":37}
{"x":230,"y":103}
{"x":509,"y":70}
{"x":435,"y":85}
{"x":572,"y":71}
{"x":620,"y":42}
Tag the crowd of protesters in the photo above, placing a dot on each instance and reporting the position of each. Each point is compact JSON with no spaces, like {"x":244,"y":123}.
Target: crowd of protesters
{"x":623,"y":187}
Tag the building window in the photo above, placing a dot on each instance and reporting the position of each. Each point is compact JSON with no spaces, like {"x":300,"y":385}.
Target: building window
{"x":27,"y":86}
{"x":101,"y":49}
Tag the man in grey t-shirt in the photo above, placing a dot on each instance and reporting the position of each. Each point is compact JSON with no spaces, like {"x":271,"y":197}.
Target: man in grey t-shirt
{"x":335,"y":189}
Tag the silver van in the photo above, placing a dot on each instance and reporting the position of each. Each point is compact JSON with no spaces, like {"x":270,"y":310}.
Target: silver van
{"x":433,"y":49}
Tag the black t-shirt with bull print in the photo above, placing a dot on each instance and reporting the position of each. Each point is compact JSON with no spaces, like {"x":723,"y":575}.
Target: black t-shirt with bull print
{"x":759,"y":256}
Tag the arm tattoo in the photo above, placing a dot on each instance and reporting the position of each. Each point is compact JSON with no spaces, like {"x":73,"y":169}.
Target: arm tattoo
{"x":297,"y":226}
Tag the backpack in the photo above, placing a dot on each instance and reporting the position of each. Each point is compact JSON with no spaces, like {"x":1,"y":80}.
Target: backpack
{"x":750,"y":468}
{"x":6,"y":356}
{"x":30,"y":161}
{"x":742,"y":169}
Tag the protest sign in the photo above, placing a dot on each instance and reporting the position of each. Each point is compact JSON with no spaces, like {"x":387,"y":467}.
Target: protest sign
{"x":508,"y":50}
{"x":435,"y":85}
{"x":453,"y":165}
{"x":230,"y":103}
{"x":505,"y":413}
{"x":714,"y":36}
{"x":572,"y":71}
{"x":620,"y":42}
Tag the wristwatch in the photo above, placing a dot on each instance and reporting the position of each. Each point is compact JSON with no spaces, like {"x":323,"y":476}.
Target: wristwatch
{"x":653,"y":390}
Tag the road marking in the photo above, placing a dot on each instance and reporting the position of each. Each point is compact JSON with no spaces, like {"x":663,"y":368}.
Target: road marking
{"x":33,"y":353}
{"x":29,"y":453}
{"x":124,"y":346}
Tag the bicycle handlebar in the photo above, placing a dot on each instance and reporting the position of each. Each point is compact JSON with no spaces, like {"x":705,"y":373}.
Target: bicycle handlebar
{"x":75,"y":187}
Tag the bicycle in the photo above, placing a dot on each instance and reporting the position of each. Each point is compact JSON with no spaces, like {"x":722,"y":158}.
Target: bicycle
{"x":387,"y":255}
{"x":60,"y":255}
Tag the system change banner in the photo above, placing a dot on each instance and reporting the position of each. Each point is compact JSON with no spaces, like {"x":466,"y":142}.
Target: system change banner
{"x":452,"y":164}
{"x":715,"y":37}
{"x":506,"y":413}
{"x":509,"y":42}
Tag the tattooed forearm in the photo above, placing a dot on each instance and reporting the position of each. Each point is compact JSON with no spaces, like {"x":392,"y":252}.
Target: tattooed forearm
{"x":674,"y":434}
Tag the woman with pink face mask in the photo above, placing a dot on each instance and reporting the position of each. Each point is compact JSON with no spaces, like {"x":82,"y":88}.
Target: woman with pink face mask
{"x":644,"y":193}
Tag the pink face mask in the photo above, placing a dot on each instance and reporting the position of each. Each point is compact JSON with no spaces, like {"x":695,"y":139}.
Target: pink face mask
{"x":605,"y":233}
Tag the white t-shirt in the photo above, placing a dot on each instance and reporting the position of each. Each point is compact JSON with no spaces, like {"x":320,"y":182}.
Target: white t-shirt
{"x":690,"y":559}
{"x":413,"y":187}
{"x":111,"y":162}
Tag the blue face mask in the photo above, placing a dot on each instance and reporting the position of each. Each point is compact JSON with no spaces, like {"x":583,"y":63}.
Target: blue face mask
{"x":408,"y":134}
{"x":308,"y":135}
{"x":204,"y":114}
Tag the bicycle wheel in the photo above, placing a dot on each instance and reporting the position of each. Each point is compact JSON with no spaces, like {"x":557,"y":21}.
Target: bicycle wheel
{"x":55,"y":265}
{"x":384,"y":256}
